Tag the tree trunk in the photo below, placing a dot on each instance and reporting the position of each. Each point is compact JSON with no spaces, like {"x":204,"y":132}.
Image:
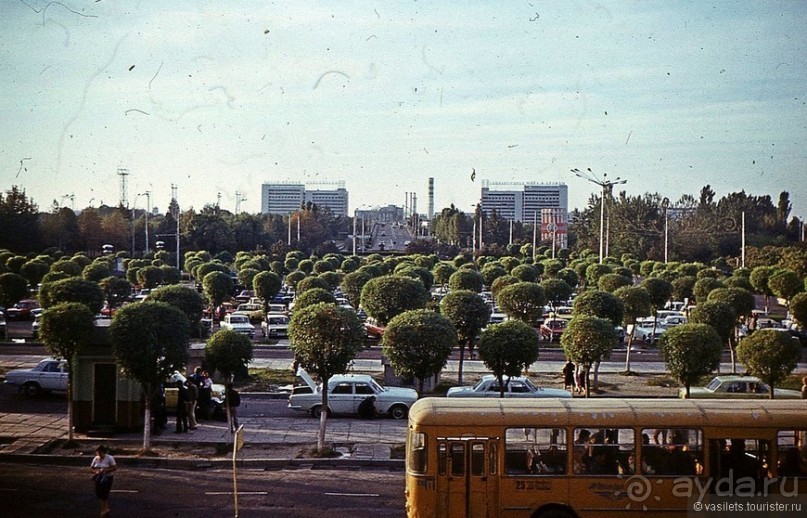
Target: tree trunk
{"x":586,"y":381}
{"x":70,"y":405}
{"x":147,"y":422}
{"x":596,"y":375}
{"x":462,"y":359}
{"x":686,"y":394}
{"x":627,"y":353}
{"x":323,"y":418}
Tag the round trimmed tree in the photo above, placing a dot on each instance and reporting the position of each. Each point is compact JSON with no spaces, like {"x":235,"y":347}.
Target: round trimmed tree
{"x":690,"y":351}
{"x":508,"y":349}
{"x":770,"y":355}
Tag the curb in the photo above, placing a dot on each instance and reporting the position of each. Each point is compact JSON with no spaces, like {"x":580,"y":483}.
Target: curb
{"x":210,"y":464}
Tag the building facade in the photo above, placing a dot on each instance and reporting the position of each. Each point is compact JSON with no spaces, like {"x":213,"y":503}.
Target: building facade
{"x":523,"y":201}
{"x":285,"y":198}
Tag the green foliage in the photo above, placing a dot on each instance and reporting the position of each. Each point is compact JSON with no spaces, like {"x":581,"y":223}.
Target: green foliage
{"x":690,"y":351}
{"x":785,"y":284}
{"x":769,"y":354}
{"x":228,"y":352}
{"x":246,"y":276}
{"x":719,"y":315}
{"x":740,"y":300}
{"x":611,"y":282}
{"x":72,"y":289}
{"x":312,"y":282}
{"x":116,"y":290}
{"x":587,"y":340}
{"x":525,"y":273}
{"x":386,"y":297}
{"x":418,"y":344}
{"x":325,"y":338}
{"x":150,"y":276}
{"x":150,"y":340}
{"x":467,"y":312}
{"x":466,"y":279}
{"x":13,"y":288}
{"x":313,"y":296}
{"x":266,"y":286}
{"x":736,"y":281}
{"x":217,"y":286}
{"x":704,"y":286}
{"x":798,"y":308}
{"x":417,"y":272}
{"x":570,"y":276}
{"x":599,"y":304}
{"x":171,"y":275}
{"x":66,"y":328}
{"x":491,"y":272}
{"x":294,"y":278}
{"x":636,"y":303}
{"x":508,"y":348}
{"x":187,"y":300}
{"x":523,"y":301}
{"x":67,"y":266}
{"x":593,"y":272}
{"x":352,"y":285}
{"x":34,"y":270}
{"x":557,"y":291}
{"x":660,"y":291}
{"x":682,"y":287}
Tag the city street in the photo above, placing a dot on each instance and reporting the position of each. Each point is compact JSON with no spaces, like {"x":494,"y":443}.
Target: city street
{"x":66,"y":491}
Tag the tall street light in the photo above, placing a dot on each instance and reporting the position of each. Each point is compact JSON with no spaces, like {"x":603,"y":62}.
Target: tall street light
{"x":606,"y":185}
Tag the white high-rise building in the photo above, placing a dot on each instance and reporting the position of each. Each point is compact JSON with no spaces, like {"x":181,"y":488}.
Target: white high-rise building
{"x":287,"y":197}
{"x":523,"y":201}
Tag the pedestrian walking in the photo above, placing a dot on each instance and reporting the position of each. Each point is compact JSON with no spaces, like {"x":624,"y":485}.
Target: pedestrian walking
{"x":233,"y":401}
{"x":102,"y":467}
{"x":568,"y":375}
{"x":190,"y":404}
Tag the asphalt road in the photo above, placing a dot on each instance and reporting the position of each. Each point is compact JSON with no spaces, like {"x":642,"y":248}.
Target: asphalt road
{"x":44,"y":490}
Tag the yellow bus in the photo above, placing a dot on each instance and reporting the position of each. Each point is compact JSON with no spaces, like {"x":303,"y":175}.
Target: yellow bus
{"x":567,"y":458}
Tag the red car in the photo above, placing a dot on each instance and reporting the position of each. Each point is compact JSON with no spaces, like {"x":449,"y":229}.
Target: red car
{"x":552,"y":329}
{"x":374,"y":330}
{"x":22,"y":310}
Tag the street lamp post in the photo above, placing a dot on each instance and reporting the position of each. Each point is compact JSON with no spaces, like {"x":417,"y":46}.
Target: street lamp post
{"x":606,"y":186}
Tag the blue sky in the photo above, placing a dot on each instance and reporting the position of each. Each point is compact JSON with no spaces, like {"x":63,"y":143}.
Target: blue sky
{"x":219,"y":97}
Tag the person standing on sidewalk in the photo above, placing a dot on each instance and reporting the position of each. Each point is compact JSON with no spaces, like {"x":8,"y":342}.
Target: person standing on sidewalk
{"x":233,"y":401}
{"x":190,"y":404}
{"x":102,"y":467}
{"x":182,"y":407}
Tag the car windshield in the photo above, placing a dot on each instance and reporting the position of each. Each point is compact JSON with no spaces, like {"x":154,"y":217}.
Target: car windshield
{"x":277,"y":320}
{"x":713,"y":385}
{"x":530,"y":385}
{"x":238,"y":320}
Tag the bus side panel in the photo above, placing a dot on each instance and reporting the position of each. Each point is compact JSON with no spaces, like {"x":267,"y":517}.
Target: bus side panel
{"x":520,"y":496}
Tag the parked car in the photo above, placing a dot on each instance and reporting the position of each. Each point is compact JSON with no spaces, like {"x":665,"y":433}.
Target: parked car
{"x":49,"y":374}
{"x":738,"y":387}
{"x":247,"y":308}
{"x":244,"y":295}
{"x":517,"y":386}
{"x":374,"y":329}
{"x":2,"y":326}
{"x":346,"y":392}
{"x":275,"y":325}
{"x":647,"y":332}
{"x":238,"y":323}
{"x":22,"y":310}
{"x":553,"y":328}
{"x":35,"y":327}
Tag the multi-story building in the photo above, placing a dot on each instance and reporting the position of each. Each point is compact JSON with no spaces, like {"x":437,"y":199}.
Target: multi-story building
{"x":523,"y":201}
{"x":287,"y":197}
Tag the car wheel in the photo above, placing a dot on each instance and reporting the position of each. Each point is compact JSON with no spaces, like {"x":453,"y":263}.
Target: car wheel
{"x":316,"y":412}
{"x":398,"y":412}
{"x":31,"y":389}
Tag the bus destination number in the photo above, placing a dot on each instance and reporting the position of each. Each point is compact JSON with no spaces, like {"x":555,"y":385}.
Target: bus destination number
{"x":533,"y":485}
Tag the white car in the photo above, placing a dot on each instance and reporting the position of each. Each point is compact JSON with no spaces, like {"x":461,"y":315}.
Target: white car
{"x":275,"y":325}
{"x":517,"y":386}
{"x":345,"y":394}
{"x":239,"y":324}
{"x":49,"y":374}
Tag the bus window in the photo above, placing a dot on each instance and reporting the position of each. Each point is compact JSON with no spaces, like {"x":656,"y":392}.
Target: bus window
{"x":477,"y":459}
{"x":739,"y":458}
{"x":681,"y":453}
{"x":457,"y":459}
{"x":792,"y":453}
{"x":442,"y":458}
{"x":418,"y":454}
{"x":602,"y":451}
{"x":535,"y":451}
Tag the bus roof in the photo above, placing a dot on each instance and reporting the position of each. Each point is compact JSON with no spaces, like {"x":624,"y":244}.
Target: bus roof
{"x":463,"y":413}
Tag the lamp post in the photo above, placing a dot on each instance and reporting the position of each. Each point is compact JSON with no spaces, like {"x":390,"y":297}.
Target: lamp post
{"x":606,"y":186}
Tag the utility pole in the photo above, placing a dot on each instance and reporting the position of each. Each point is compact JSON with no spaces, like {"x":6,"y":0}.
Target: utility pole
{"x":607,"y":186}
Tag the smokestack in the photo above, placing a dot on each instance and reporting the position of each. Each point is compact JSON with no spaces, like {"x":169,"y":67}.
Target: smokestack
{"x":431,"y":199}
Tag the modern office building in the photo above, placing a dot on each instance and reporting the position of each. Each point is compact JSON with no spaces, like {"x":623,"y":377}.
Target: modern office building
{"x":523,"y":201}
{"x":287,"y":197}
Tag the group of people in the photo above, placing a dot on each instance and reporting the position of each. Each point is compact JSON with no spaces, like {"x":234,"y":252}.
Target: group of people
{"x":194,"y":395}
{"x":573,"y":378}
